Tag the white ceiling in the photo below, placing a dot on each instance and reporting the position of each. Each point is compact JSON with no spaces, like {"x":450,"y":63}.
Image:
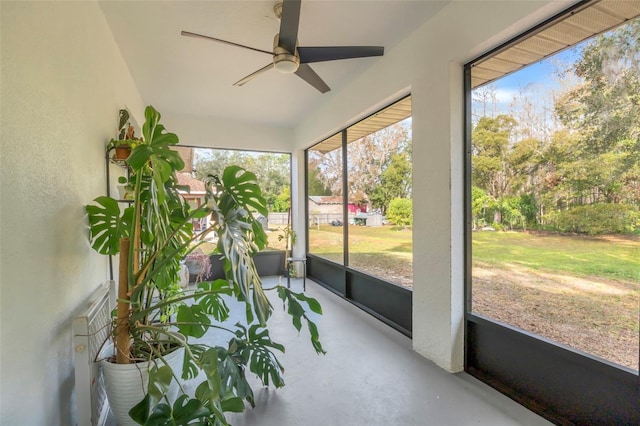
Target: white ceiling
{"x":187,"y":76}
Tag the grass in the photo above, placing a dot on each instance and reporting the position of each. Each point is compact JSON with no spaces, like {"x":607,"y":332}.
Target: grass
{"x":611,"y":257}
{"x":385,"y":251}
{"x":362,"y":239}
{"x":580,"y":291}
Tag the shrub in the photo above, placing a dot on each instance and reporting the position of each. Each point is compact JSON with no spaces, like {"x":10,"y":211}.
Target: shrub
{"x":598,"y":219}
{"x":497,"y":226}
{"x":518,"y":211}
{"x":400,"y":211}
{"x":510,"y":212}
{"x":482,"y":207}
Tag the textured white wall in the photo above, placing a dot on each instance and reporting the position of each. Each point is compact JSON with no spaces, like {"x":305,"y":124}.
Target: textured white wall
{"x":63,"y":81}
{"x":428,"y":64}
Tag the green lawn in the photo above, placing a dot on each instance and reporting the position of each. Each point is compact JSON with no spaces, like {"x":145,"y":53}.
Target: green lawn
{"x":612,"y":257}
{"x":362,"y":239}
{"x":384,"y":251}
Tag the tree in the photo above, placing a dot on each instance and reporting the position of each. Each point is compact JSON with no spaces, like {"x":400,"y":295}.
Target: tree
{"x":485,"y":99}
{"x":395,"y":182}
{"x":517,"y":211}
{"x":370,"y":156}
{"x":491,"y":138}
{"x":315,"y":184}
{"x":271,"y":169}
{"x":605,"y":106}
{"x":603,"y":113}
{"x":482,"y":206}
{"x":327,"y":169}
{"x":282,"y":202}
{"x":400,"y":212}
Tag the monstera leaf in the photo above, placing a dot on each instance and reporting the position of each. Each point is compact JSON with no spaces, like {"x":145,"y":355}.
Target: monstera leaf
{"x":297,"y":312}
{"x":256,"y":346}
{"x":107,"y":225}
{"x":233,"y":201}
{"x":156,"y":150}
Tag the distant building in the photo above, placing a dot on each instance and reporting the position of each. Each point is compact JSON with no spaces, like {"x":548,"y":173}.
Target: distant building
{"x":195,"y":197}
{"x":323,"y":204}
{"x":326,"y":208}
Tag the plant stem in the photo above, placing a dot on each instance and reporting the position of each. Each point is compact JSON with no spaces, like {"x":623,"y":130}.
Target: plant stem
{"x":122,"y":338}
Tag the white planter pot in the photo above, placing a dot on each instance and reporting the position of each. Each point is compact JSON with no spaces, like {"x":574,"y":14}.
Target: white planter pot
{"x":127,"y":384}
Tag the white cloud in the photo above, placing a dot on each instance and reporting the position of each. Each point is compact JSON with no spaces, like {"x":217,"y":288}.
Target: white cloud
{"x":505,"y":95}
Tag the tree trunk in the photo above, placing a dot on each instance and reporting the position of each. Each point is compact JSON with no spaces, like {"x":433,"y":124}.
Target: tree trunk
{"x":122,"y":339}
{"x":497,"y":216}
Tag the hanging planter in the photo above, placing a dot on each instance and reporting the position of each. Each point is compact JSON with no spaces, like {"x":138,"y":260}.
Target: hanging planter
{"x":122,"y":152}
{"x":126,"y":138}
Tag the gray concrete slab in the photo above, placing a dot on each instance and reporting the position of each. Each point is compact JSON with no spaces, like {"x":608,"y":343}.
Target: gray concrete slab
{"x":369,"y":376}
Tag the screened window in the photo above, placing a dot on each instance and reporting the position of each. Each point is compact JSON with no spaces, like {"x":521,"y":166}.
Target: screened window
{"x":360,"y":191}
{"x":272,"y":170}
{"x":555,"y":193}
{"x":325,"y":201}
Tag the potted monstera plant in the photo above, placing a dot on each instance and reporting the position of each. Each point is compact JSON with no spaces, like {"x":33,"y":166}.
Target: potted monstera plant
{"x":156,"y":321}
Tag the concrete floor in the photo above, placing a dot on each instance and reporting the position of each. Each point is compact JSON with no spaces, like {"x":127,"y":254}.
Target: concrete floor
{"x":369,"y":376}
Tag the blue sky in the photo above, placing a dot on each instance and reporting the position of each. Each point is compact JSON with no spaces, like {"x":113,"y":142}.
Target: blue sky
{"x":541,"y":73}
{"x":536,"y":79}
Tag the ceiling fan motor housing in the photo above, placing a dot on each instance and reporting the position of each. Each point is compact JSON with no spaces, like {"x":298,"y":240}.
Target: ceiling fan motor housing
{"x":283,"y":60}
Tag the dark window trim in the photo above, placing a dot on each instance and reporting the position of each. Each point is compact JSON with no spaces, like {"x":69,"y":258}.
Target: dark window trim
{"x":561,"y":384}
{"x":345,"y":199}
{"x":345,"y":207}
{"x":346,"y":282}
{"x":306,"y":201}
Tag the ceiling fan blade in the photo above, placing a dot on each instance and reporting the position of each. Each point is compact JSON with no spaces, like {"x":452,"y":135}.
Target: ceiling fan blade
{"x":253,"y":75}
{"x":307,"y":74}
{"x":289,"y":25}
{"x":320,"y":54}
{"x":194,"y":35}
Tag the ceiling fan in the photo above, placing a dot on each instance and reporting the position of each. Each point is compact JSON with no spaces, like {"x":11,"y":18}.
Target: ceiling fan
{"x":290,"y":58}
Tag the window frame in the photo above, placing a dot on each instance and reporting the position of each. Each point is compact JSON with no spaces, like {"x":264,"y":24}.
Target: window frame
{"x":559,"y":383}
{"x":391,"y":303}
